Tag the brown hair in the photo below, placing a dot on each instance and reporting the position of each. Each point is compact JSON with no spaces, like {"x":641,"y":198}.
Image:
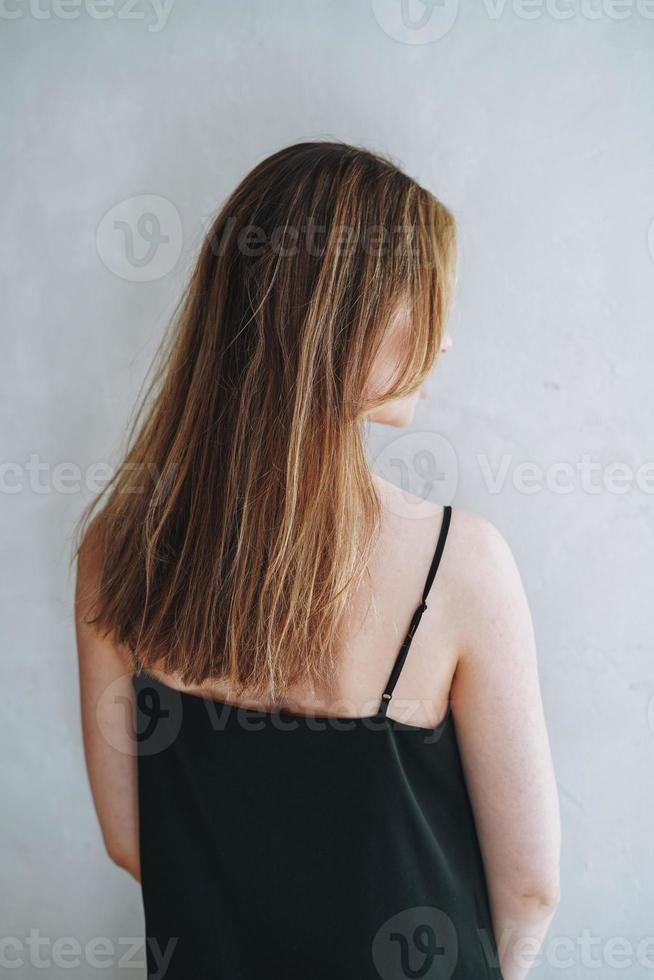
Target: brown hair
{"x":237,"y":560}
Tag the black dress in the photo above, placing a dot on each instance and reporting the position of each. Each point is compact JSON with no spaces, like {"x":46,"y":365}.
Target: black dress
{"x":278,"y":846}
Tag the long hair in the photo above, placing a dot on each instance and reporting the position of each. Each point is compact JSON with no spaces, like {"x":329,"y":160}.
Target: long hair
{"x":243,"y":514}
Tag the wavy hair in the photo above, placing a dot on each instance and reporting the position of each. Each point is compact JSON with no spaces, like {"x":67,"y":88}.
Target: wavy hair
{"x":244,"y":511}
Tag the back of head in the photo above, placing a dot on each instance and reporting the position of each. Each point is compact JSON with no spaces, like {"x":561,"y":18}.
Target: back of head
{"x":237,"y":559}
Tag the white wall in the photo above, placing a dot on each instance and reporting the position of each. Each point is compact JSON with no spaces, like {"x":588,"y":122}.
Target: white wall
{"x":536,"y":128}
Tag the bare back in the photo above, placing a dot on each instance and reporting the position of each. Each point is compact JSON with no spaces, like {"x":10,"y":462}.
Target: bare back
{"x":378,"y":618}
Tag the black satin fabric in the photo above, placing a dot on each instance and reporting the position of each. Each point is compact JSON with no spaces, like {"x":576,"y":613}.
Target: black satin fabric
{"x":282,"y":847}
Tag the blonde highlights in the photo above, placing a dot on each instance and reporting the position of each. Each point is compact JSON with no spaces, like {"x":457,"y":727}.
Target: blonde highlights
{"x":238,"y":558}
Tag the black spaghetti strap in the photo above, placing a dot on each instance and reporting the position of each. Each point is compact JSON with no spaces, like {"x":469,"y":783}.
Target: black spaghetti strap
{"x":417,"y":616}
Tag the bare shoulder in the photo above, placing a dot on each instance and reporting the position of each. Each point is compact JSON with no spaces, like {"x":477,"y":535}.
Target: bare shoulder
{"x":478,"y":551}
{"x":477,"y":560}
{"x":90,"y":642}
{"x":89,"y":567}
{"x":89,"y":560}
{"x":486,"y":587}
{"x":476,"y":555}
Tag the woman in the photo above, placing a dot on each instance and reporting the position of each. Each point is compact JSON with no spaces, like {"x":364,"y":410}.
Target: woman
{"x":348,"y":824}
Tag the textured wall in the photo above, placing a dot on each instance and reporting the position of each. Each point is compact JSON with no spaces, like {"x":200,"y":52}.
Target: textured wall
{"x":533,"y":122}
